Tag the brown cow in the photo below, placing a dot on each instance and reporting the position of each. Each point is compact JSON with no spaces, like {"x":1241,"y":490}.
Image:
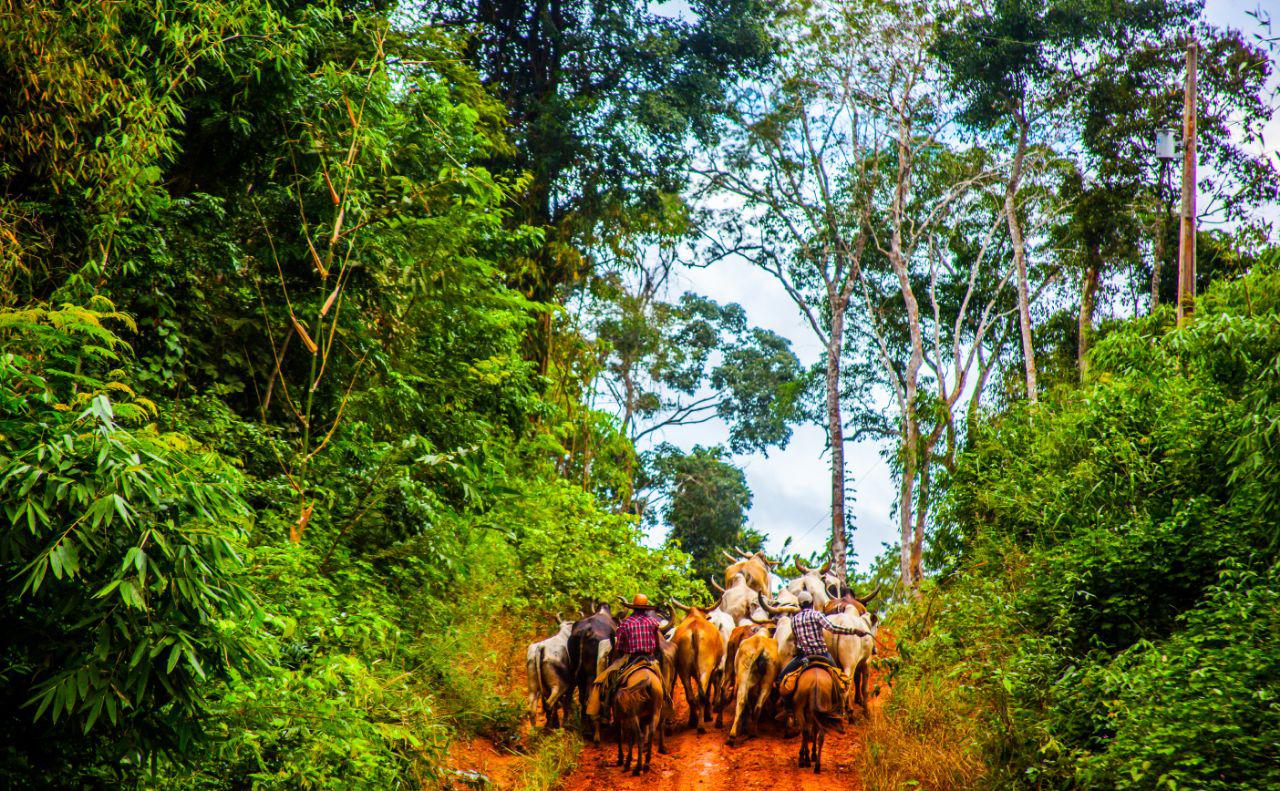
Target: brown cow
{"x":814,"y":707}
{"x":729,"y":677}
{"x":755,"y":667}
{"x":637,"y":709}
{"x":755,"y":567}
{"x":699,"y":648}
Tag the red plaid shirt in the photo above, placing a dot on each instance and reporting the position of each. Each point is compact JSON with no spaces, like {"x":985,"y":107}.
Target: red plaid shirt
{"x":808,"y":626}
{"x":637,"y":634}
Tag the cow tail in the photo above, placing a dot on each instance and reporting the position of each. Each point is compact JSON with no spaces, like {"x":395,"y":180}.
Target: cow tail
{"x":694,"y":640}
{"x":758,"y":666}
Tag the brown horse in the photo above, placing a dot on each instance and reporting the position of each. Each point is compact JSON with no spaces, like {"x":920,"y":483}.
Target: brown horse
{"x":814,"y":705}
{"x":637,"y":710}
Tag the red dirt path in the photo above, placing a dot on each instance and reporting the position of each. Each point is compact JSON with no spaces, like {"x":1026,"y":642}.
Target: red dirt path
{"x":706,"y":763}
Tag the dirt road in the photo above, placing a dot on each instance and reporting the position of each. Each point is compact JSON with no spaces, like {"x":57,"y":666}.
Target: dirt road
{"x":704,"y":762}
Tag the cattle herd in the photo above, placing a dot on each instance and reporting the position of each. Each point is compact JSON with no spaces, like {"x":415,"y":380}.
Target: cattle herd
{"x":729,"y":653}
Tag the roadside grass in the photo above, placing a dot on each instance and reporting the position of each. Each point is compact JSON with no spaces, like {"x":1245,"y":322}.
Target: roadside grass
{"x":551,"y":756}
{"x":926,"y":737}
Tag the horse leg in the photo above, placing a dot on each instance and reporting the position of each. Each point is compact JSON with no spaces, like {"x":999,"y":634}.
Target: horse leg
{"x":660,"y":724}
{"x":621,"y":737}
{"x":646,"y":746}
{"x":818,"y":739}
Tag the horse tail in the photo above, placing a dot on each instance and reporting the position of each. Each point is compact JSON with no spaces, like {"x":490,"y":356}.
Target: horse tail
{"x":821,"y":702}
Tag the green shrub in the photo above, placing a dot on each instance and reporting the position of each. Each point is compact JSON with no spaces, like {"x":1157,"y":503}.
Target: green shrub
{"x":121,"y":557}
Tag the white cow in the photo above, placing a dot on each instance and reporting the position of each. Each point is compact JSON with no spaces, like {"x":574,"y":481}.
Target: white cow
{"x":852,"y":652}
{"x":547,"y":667}
{"x":816,"y":581}
{"x":738,"y":599}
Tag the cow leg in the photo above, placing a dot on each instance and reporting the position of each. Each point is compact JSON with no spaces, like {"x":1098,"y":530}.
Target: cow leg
{"x":706,"y":697}
{"x":697,"y":704}
{"x":739,"y":705}
{"x":690,"y":700}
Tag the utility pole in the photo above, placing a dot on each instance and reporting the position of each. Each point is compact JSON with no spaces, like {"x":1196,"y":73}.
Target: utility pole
{"x":1187,"y":239}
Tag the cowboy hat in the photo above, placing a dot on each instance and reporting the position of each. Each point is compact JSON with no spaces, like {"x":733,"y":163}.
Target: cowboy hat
{"x":639,"y":602}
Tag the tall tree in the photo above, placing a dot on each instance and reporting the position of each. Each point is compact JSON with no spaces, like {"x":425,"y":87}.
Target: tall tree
{"x":840,"y":185}
{"x":604,"y":100}
{"x":706,"y":506}
{"x":1016,"y":63}
{"x":671,"y":364}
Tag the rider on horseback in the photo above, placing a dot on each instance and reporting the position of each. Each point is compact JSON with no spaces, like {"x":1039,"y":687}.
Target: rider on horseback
{"x":636,"y":640}
{"x":808,"y":626}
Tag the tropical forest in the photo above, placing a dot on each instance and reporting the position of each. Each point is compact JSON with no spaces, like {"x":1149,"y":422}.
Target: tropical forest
{"x":624,"y":394}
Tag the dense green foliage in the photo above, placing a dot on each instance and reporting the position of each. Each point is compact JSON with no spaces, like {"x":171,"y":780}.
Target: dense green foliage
{"x":282,"y":492}
{"x":335,"y":339}
{"x":1114,"y":609}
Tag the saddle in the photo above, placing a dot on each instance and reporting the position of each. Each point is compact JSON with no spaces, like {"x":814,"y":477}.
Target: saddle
{"x":787,"y":684}
{"x":634,"y":667}
{"x":625,"y":672}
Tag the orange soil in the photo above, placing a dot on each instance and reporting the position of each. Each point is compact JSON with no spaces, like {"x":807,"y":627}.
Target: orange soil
{"x":502,"y":767}
{"x":708,"y":764}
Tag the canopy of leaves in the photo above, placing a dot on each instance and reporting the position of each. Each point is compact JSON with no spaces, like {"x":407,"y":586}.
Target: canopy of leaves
{"x":1119,"y":546}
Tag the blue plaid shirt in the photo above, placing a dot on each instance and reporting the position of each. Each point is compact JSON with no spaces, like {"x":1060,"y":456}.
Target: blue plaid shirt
{"x":808,"y":626}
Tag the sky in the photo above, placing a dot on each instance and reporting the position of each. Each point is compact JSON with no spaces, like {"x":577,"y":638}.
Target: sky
{"x":791,"y":487}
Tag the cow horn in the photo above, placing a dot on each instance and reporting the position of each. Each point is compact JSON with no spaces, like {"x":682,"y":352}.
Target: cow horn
{"x":731,"y":558}
{"x":835,"y":595}
{"x":774,"y":610}
{"x":559,"y":616}
{"x":825,"y":568}
{"x":676,"y":603}
{"x":714,"y":585}
{"x":802,"y":568}
{"x":742,"y":551}
{"x":869,"y":596}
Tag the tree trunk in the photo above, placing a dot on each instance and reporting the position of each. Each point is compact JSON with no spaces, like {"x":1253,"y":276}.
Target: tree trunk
{"x":1020,"y":259}
{"x":1088,"y":294}
{"x":835,"y":435}
{"x":906,"y":494}
{"x":922,"y":511}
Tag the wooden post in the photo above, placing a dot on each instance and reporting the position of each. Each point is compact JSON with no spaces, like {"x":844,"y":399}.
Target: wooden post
{"x":1187,"y":239}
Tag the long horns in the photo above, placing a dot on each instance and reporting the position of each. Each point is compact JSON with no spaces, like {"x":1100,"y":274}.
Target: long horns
{"x":866,"y":599}
{"x":715,"y":585}
{"x":731,"y":558}
{"x":775,"y":610}
{"x":807,"y":569}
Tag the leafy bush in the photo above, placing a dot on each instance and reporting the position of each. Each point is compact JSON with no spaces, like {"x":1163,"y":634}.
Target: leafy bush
{"x":121,"y":560}
{"x":1112,"y":614}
